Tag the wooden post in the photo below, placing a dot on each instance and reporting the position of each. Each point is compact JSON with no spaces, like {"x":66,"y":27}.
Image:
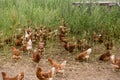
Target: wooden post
{"x":89,"y":7}
{"x":118,"y":3}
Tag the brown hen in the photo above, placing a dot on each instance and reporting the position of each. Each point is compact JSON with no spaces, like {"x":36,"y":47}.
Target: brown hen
{"x":41,"y":45}
{"x":59,"y":67}
{"x":17,"y":77}
{"x":115,"y":62}
{"x":84,"y":55}
{"x":105,"y":56}
{"x":70,"y":46}
{"x":36,"y":56}
{"x":45,"y":75}
{"x":15,"y":53}
{"x":19,"y":42}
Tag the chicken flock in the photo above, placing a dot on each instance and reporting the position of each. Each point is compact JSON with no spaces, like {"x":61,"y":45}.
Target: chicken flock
{"x":33,"y":41}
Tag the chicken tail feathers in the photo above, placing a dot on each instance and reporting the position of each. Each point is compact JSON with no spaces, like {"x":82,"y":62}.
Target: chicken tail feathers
{"x":53,"y":71}
{"x":89,"y":51}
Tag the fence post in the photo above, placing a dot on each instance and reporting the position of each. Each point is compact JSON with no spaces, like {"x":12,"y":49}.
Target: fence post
{"x":118,"y":2}
{"x":89,"y":7}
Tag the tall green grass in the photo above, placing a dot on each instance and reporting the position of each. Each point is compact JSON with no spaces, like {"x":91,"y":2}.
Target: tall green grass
{"x":16,"y":13}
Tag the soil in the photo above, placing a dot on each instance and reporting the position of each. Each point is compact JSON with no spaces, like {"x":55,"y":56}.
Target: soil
{"x":74,"y":70}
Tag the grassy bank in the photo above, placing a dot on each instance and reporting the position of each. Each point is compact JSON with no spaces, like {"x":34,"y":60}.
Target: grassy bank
{"x":16,"y":13}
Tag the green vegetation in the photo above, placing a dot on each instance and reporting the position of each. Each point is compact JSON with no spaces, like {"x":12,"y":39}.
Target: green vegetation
{"x":16,"y":13}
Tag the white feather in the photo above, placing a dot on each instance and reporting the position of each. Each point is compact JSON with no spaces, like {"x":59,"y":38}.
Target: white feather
{"x":61,"y":26}
{"x":29,"y":44}
{"x":50,"y":78}
{"x":99,"y":35}
{"x":53,"y":71}
{"x":26,"y":34}
{"x":89,"y":51}
{"x":112,"y":57}
{"x":87,"y":56}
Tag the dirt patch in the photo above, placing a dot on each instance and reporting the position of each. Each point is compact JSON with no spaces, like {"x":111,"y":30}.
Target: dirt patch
{"x":93,"y":70}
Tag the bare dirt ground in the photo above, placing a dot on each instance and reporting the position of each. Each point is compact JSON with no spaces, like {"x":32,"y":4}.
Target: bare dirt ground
{"x":92,"y":70}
